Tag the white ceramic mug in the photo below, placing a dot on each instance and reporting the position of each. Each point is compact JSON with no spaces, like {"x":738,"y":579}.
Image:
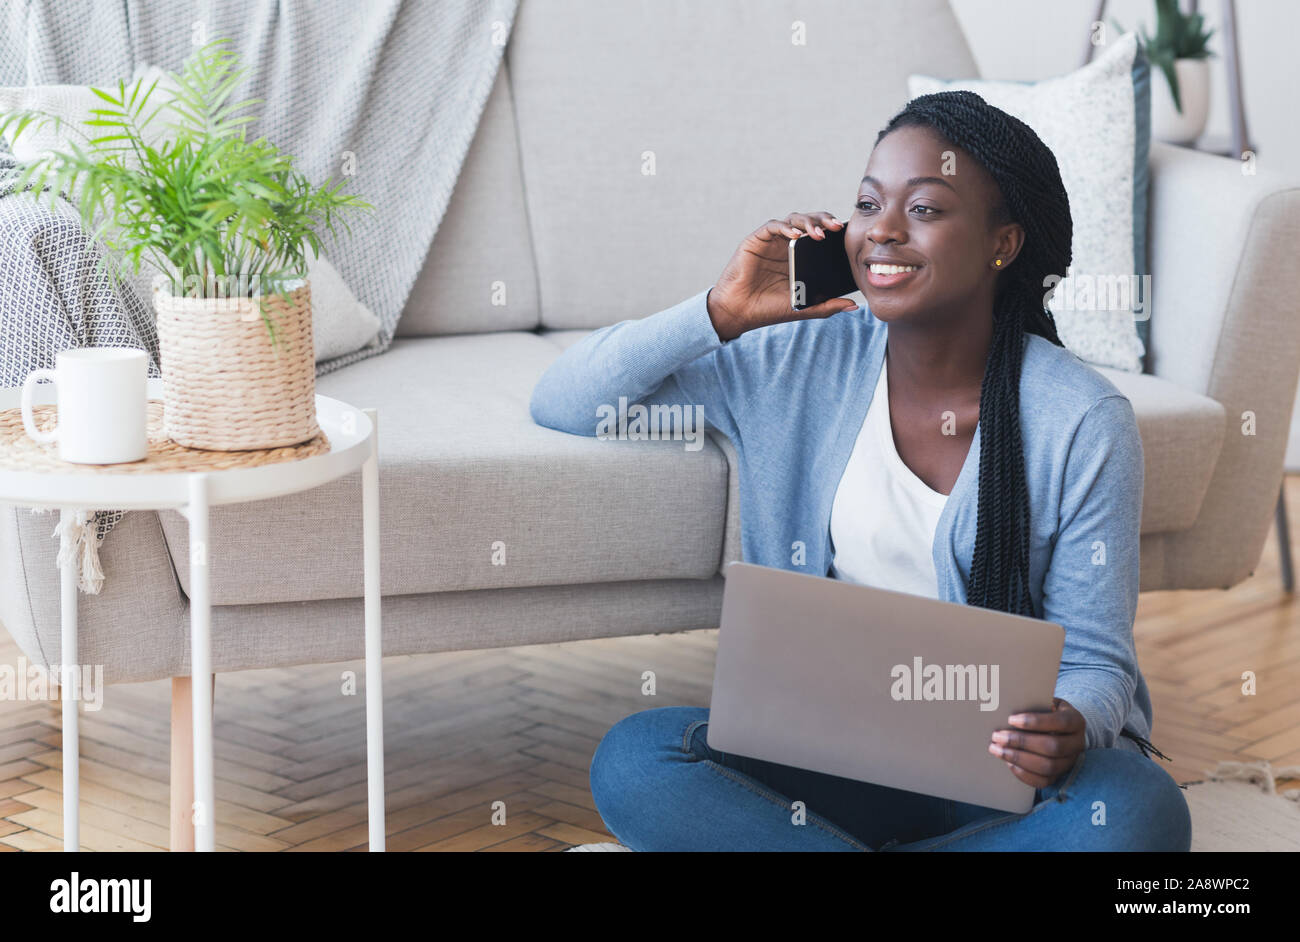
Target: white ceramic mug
{"x":103,"y":404}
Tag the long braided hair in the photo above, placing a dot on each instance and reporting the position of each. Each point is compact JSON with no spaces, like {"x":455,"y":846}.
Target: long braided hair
{"x":1027,"y":176}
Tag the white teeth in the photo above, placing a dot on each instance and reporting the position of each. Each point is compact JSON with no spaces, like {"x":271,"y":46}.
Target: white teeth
{"x":891,"y":269}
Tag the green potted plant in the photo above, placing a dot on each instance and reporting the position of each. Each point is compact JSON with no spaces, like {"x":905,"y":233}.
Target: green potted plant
{"x":225,"y":224}
{"x":1179,"y":48}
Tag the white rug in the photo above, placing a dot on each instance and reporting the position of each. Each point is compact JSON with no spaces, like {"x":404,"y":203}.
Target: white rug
{"x":1236,"y":807}
{"x":1239,"y":807}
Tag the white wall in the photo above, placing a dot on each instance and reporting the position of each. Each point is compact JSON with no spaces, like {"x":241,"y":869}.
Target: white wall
{"x":1026,"y":40}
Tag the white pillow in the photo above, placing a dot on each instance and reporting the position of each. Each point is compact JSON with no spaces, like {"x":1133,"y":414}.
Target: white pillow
{"x":72,"y":104}
{"x":340,"y":323}
{"x":1096,"y":120}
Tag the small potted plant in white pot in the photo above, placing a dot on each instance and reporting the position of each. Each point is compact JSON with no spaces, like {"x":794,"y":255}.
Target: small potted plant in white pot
{"x":225,"y":223}
{"x":1180,"y":104}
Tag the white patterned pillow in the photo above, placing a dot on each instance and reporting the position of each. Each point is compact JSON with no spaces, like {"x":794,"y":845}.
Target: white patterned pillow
{"x":1097,"y":122}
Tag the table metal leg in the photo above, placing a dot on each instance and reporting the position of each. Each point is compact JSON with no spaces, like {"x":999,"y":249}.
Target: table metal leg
{"x":201,"y":665}
{"x":374,"y":640}
{"x":69,"y":677}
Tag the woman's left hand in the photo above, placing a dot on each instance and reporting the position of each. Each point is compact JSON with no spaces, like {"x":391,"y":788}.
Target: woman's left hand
{"x":1042,"y":746}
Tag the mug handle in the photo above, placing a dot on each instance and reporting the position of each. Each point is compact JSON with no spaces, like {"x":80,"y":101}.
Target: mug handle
{"x":29,"y":387}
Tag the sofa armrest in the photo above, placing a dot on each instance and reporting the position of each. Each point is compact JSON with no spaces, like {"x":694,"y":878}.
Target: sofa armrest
{"x":1224,"y":276}
{"x":1225,"y":323}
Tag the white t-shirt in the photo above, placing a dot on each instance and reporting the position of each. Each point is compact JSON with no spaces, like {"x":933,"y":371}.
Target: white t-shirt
{"x":883,"y":517}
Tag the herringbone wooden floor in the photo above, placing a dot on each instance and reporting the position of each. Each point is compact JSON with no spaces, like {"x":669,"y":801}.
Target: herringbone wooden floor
{"x":519,"y":725}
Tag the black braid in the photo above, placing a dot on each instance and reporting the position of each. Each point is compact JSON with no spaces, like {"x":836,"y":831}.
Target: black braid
{"x":1026,"y":173}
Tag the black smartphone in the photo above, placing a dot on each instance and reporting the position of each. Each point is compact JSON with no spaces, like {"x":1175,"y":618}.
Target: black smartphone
{"x":819,"y":269}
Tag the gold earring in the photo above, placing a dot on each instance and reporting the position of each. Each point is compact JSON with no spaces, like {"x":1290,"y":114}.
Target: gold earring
{"x":998,"y":262}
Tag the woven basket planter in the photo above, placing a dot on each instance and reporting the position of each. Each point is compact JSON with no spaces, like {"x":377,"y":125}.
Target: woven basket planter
{"x":225,"y":387}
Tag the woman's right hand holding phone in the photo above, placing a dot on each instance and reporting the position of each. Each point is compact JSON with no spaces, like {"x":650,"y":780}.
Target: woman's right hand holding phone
{"x":754,"y":289}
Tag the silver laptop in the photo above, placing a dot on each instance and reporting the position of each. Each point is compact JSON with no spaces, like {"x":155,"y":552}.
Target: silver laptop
{"x":877,"y":686}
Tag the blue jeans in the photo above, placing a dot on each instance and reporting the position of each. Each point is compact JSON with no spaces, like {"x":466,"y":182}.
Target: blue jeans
{"x":659,"y":786}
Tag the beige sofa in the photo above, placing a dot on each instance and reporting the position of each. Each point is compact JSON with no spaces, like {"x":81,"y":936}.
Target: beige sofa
{"x":556,"y":207}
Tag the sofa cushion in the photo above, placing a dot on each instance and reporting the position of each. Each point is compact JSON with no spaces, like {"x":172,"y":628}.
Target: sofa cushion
{"x":746,"y":111}
{"x":466,"y":476}
{"x":479,"y":274}
{"x":1182,"y":434}
{"x":731,"y":547}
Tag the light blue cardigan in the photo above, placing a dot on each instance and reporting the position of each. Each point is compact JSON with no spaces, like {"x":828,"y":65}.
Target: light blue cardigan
{"x":792,"y":397}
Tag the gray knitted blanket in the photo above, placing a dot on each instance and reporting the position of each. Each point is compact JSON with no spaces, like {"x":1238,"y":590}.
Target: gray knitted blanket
{"x":394,"y":87}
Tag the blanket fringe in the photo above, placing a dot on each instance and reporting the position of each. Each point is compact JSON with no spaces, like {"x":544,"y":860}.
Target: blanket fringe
{"x":1260,"y":773}
{"x":81,"y":548}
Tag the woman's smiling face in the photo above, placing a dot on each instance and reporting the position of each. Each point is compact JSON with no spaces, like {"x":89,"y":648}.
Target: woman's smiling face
{"x":927,"y":207}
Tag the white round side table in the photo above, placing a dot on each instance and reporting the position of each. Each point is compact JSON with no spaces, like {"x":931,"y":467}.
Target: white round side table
{"x":352,"y":435}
